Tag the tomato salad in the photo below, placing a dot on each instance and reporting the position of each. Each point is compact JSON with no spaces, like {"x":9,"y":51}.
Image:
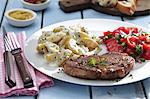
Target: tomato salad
{"x":130,"y":40}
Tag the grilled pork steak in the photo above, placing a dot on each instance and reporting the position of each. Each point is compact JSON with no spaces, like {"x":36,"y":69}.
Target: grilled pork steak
{"x":108,"y":66}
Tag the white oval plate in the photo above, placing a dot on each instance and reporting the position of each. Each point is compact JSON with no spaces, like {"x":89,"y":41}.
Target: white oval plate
{"x":96,"y":26}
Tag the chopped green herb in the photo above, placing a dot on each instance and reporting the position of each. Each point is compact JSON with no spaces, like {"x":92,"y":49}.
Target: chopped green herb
{"x":142,"y":59}
{"x":103,"y":63}
{"x":67,"y":33}
{"x":110,"y":35}
{"x":75,"y":37}
{"x":57,"y":48}
{"x":65,"y":53}
{"x":133,"y":55}
{"x":123,"y":44}
{"x":138,"y":49}
{"x":80,"y":51}
{"x":92,"y":61}
{"x":118,"y":38}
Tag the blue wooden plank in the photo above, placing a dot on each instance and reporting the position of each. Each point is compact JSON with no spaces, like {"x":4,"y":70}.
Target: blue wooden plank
{"x":89,"y":13}
{"x":142,"y":20}
{"x":29,"y":29}
{"x":3,"y":3}
{"x":63,"y":90}
{"x":54,"y":14}
{"x":147,"y":87}
{"x":130,"y":91}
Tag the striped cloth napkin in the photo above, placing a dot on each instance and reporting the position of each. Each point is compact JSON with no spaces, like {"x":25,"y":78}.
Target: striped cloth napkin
{"x":40,"y":80}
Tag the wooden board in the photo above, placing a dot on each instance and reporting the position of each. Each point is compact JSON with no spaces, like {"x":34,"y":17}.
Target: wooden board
{"x":143,"y":7}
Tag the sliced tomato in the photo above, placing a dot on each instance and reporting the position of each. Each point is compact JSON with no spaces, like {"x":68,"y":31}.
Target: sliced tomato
{"x":128,"y":30}
{"x":113,"y":46}
{"x":107,"y":33}
{"x":132,"y":41}
{"x":122,"y":28}
{"x":146,"y":53}
{"x":116,"y":32}
{"x":133,"y":29}
{"x":125,"y":30}
{"x":123,"y":40}
{"x":108,"y":40}
{"x":143,"y":38}
{"x":148,"y":39}
{"x":146,"y":46}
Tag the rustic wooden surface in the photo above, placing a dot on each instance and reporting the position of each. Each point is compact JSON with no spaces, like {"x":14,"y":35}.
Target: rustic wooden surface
{"x":143,"y":7}
{"x":63,"y":90}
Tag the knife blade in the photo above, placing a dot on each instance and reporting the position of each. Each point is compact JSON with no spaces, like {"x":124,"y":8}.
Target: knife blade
{"x":9,"y":75}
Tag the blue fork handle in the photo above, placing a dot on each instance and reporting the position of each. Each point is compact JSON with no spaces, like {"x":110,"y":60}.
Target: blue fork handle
{"x":24,"y":73}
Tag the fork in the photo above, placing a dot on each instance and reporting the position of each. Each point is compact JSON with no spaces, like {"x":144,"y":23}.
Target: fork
{"x":9,"y":75}
{"x":14,"y":46}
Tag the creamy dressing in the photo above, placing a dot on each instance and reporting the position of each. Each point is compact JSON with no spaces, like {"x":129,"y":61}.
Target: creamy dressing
{"x":62,"y":43}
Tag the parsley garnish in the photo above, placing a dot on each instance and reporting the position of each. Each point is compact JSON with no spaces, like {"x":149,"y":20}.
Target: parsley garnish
{"x":92,"y":61}
{"x":138,"y":50}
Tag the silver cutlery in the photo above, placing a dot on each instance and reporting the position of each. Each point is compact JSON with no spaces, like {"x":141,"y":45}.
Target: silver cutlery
{"x":9,"y":75}
{"x":14,"y":47}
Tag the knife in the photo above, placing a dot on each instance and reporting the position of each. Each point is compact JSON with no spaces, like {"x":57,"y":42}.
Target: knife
{"x":9,"y":75}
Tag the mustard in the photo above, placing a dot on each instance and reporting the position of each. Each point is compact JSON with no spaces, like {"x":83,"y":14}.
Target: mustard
{"x":21,"y":15}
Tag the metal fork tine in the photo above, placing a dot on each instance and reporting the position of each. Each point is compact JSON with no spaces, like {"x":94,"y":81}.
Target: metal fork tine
{"x":8,"y":43}
{"x":12,"y":41}
{"x":15,"y":39}
{"x":7,"y":46}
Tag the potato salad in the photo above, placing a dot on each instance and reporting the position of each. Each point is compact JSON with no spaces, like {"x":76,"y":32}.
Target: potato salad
{"x":63,"y":42}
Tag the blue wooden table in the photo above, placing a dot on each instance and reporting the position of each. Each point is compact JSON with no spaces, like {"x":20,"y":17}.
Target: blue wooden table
{"x":63,"y":90}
